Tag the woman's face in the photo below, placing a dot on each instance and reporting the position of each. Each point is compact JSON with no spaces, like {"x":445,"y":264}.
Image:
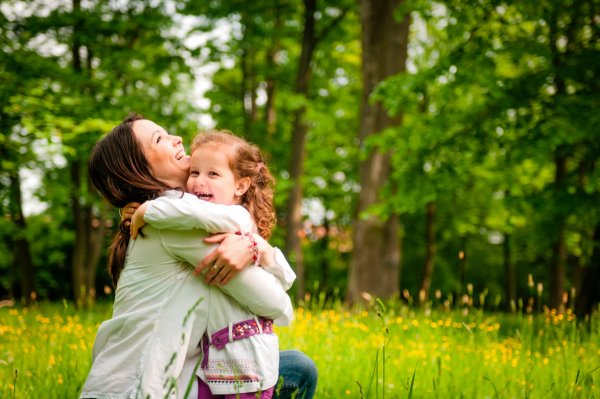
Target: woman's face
{"x":164,"y":152}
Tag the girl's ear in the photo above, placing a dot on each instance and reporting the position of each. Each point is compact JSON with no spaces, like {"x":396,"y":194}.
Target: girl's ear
{"x":242,"y":186}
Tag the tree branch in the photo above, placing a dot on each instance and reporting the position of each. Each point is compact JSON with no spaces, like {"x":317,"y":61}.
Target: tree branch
{"x":331,"y":25}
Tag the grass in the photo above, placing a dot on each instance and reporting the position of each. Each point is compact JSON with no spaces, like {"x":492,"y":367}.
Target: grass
{"x":393,"y":352}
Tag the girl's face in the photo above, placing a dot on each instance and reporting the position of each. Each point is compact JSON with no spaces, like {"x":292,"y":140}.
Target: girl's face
{"x":164,"y":152}
{"x":211,"y":178}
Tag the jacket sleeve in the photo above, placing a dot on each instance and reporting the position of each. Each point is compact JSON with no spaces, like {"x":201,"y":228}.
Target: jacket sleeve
{"x":254,"y":288}
{"x":264,"y":289}
{"x":189,"y":212}
{"x":282,"y":270}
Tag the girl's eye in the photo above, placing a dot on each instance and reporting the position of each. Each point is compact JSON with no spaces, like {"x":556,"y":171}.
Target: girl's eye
{"x":213,"y":174}
{"x":194,"y":173}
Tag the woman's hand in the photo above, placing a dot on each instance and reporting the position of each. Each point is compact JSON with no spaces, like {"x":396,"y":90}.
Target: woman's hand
{"x":232,"y":255}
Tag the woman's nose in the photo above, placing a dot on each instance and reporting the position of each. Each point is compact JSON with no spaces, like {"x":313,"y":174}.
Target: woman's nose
{"x":177,"y":140}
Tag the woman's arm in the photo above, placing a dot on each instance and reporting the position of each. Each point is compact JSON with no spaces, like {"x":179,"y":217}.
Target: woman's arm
{"x":233,"y":254}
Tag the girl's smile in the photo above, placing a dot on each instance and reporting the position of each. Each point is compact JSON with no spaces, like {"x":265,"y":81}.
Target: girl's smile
{"x":211,"y":178}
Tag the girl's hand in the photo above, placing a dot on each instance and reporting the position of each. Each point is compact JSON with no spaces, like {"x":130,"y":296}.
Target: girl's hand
{"x":128,"y":211}
{"x":137,"y":220}
{"x":267,"y":252}
{"x":232,"y":255}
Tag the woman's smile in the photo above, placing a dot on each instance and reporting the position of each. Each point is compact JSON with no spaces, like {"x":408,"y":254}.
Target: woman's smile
{"x":165,"y":152}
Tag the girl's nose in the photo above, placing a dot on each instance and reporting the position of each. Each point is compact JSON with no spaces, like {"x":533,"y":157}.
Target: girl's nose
{"x":198,"y":181}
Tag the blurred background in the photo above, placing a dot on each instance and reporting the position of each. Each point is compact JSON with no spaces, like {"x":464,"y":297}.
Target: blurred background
{"x":425,"y":151}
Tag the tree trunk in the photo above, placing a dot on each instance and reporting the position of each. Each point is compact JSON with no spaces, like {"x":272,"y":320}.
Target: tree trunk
{"x":76,"y":45}
{"x":89,"y":240}
{"x":429,"y":253}
{"x":248,"y":84}
{"x":375,"y":260}
{"x":574,"y":264}
{"x":95,"y":246}
{"x":462,"y":267}
{"x":294,"y":217}
{"x":589,"y":294}
{"x":22,"y":253}
{"x":81,"y":221}
{"x":574,"y":261}
{"x":559,"y":247}
{"x":244,"y":92}
{"x":81,"y":212}
{"x":510,"y":286}
{"x":270,"y":110}
{"x":323,"y":255}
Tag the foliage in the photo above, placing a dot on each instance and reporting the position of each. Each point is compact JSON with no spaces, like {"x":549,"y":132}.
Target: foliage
{"x":495,"y":92}
{"x":74,"y":72}
{"x":263,"y":30}
{"x":469,"y":353}
{"x":488,"y":106}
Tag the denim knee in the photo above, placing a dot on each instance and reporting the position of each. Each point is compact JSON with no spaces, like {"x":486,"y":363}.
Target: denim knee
{"x":299,"y":374}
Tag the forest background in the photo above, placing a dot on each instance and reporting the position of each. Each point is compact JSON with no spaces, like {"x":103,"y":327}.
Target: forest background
{"x":422,"y":149}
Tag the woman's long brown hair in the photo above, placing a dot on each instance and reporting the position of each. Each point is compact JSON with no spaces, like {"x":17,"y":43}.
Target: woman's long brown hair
{"x":120,"y":172}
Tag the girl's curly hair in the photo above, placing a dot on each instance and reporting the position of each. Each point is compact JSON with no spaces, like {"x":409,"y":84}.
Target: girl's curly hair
{"x":246,"y":160}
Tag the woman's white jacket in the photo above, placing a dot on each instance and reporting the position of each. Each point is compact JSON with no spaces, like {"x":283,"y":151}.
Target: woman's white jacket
{"x":150,"y":346}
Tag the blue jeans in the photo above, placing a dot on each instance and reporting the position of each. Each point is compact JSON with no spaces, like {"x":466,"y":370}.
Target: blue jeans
{"x":299,"y":376}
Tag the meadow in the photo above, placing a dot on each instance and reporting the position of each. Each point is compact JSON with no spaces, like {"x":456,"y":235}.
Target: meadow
{"x":384,"y":351}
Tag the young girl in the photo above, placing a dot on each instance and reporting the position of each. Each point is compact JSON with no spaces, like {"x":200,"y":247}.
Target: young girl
{"x":240,"y":352}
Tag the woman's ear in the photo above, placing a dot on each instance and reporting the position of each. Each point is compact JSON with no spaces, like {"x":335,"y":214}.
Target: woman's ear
{"x":242,"y":186}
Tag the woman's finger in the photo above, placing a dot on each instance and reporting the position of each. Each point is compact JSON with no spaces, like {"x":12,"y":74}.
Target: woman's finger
{"x":209,"y":260}
{"x":218,"y":273}
{"x":212,"y":274}
{"x":215,"y":238}
{"x":233,"y":254}
{"x":222,"y":277}
{"x":229,"y":276}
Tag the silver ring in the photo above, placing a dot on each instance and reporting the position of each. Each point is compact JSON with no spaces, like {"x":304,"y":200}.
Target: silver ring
{"x":215,"y":267}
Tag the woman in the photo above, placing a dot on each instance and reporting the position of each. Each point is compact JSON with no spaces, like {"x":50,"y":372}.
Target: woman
{"x":150,"y":346}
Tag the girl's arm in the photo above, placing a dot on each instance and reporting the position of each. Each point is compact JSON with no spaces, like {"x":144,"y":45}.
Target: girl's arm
{"x":273,"y":261}
{"x":188,"y":212}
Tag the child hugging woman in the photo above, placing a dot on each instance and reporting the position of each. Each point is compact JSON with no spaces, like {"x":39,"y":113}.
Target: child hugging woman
{"x":241,"y":352}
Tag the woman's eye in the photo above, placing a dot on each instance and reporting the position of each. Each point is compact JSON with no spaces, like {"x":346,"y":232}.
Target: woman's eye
{"x":158,"y":139}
